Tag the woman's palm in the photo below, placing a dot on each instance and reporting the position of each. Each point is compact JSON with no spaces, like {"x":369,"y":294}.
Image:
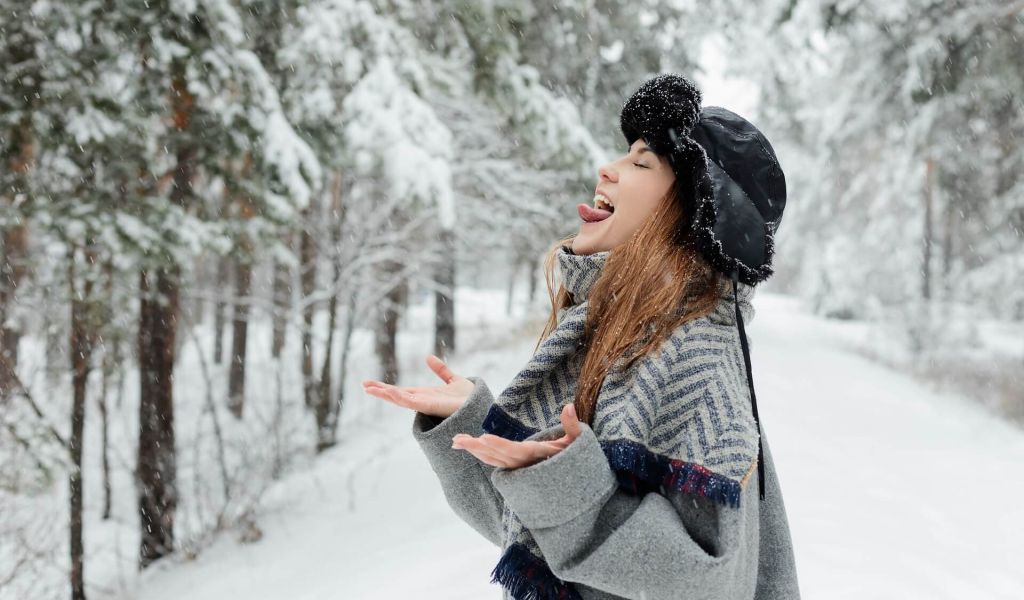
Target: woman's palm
{"x":438,"y":401}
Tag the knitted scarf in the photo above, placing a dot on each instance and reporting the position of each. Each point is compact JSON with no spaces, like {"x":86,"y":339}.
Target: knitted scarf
{"x":693,"y":434}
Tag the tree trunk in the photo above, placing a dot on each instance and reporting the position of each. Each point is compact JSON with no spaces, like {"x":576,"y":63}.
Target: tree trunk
{"x":921,"y":321}
{"x":157,"y":468}
{"x":516,"y":261}
{"x":444,"y":299}
{"x":111,"y":361}
{"x":12,"y":272}
{"x":81,"y":354}
{"x":324,"y":429}
{"x":929,"y":234}
{"x":350,"y":325}
{"x":105,"y":444}
{"x":243,"y":292}
{"x":307,"y":278}
{"x":282,"y":304}
{"x":15,"y":249}
{"x":326,"y":412}
{"x":948,"y":248}
{"x":387,"y":323}
{"x":156,"y":471}
{"x":533,"y":276}
{"x":220,"y":310}
{"x":243,"y":284}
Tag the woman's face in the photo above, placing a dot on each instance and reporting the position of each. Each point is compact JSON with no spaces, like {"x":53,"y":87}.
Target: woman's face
{"x":635,"y":184}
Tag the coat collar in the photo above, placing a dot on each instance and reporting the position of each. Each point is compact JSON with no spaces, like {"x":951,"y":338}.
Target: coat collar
{"x":725,"y":312}
{"x":580,"y":271}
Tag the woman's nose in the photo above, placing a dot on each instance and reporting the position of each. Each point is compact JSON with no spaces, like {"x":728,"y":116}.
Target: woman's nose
{"x":606,"y":173}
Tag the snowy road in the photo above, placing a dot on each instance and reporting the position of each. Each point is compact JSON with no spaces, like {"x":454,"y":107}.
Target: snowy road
{"x":892,"y":491}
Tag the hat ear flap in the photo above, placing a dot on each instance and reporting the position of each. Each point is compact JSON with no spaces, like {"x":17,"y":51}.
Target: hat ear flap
{"x":728,"y":229}
{"x":696,"y":191}
{"x":688,"y":159}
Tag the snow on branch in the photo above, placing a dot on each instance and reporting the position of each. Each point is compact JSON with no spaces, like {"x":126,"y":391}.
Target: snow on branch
{"x":393,"y":135}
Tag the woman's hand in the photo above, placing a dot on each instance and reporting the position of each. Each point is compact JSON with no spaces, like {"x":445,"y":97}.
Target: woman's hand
{"x":499,"y":452}
{"x":440,"y":401}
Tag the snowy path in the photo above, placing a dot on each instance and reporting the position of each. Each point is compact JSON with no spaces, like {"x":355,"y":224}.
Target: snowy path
{"x":892,"y":491}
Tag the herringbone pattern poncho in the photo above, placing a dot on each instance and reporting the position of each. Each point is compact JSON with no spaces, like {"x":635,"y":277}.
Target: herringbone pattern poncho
{"x":678,"y":420}
{"x":653,"y":500}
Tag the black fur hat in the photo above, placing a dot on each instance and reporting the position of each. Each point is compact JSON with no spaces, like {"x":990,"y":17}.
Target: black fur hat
{"x":739,"y":190}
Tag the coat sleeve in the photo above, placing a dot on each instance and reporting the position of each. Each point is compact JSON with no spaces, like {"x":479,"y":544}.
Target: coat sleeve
{"x":648,"y":547}
{"x":465,"y":479}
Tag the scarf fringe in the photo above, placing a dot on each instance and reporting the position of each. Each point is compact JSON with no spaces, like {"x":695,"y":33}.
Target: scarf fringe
{"x":626,"y":456}
{"x":635,"y":465}
{"x":528,"y":578}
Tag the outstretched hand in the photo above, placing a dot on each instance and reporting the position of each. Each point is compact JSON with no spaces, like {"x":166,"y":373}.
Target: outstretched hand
{"x":438,"y":401}
{"x":500,"y":452}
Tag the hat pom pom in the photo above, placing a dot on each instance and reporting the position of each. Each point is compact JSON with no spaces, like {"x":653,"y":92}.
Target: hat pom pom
{"x":664,"y":105}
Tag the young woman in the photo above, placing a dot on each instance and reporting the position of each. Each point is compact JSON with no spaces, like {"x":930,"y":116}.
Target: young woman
{"x":620,"y":462}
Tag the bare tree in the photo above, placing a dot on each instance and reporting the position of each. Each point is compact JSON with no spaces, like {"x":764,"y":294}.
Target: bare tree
{"x":81,"y":345}
{"x":307,"y":278}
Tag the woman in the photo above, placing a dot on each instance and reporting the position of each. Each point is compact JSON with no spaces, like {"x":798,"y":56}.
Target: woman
{"x":620,"y":462}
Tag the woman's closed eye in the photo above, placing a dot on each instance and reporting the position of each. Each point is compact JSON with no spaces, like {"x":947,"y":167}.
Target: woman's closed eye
{"x":641,"y":166}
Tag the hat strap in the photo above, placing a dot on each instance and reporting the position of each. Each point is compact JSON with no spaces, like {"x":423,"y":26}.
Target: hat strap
{"x":750,"y":382}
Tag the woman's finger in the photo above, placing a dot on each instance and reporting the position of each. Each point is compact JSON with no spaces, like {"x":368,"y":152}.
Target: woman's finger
{"x":375,"y":383}
{"x":519,"y":454}
{"x":395,"y":395}
{"x":423,"y":397}
{"x":376,"y":386}
{"x":508,"y":446}
{"x":559,"y":443}
{"x":514,"y":455}
{"x":544,"y":450}
{"x":388,"y":387}
{"x":490,"y":458}
{"x":482,"y":452}
{"x":570,"y":422}
{"x":437,"y":365}
{"x":405,"y":388}
{"x":375,"y":390}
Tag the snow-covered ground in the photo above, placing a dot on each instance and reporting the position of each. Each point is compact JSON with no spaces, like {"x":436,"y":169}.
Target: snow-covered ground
{"x":892,"y":491}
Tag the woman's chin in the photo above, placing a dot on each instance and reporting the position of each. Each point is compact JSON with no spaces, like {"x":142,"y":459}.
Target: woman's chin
{"x":585,"y":243}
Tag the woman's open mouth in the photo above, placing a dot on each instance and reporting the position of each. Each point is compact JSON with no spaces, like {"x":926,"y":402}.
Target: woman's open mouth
{"x":589,"y":214}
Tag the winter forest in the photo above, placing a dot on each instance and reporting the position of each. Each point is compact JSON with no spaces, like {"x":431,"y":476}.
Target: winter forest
{"x":219,"y":216}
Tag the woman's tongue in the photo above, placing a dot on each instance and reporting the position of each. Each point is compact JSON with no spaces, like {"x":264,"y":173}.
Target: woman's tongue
{"x":590,"y":214}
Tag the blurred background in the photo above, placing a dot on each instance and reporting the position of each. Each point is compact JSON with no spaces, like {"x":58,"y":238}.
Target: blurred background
{"x":219,"y":216}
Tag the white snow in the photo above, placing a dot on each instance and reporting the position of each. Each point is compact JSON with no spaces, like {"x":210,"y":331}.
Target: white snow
{"x":390,"y":126}
{"x":613,"y":52}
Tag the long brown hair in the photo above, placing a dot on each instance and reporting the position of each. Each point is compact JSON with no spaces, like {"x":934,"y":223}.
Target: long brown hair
{"x":650,"y":284}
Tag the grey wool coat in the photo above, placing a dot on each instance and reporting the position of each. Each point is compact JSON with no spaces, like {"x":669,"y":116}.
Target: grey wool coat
{"x":608,"y":542}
